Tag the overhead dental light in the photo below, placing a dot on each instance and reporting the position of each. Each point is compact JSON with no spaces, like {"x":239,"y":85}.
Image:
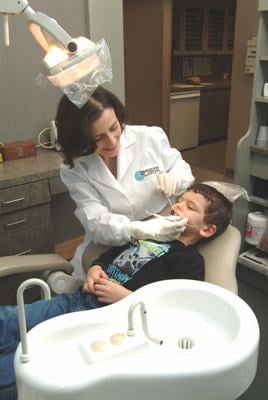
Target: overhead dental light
{"x":76,"y":65}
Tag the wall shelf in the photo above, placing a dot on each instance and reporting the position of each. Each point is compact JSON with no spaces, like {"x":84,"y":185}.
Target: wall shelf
{"x":261,"y":99}
{"x":259,"y":200}
{"x":260,"y":150}
{"x":251,"y":169}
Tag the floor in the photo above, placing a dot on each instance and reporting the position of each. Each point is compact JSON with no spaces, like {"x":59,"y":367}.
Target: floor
{"x":208,"y":161}
{"x":253,"y":288}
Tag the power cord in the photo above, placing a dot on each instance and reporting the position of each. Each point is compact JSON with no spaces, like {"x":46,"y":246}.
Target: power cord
{"x":45,"y":145}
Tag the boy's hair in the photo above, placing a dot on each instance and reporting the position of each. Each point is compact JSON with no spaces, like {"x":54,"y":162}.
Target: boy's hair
{"x":219,"y":209}
{"x":74,"y":124}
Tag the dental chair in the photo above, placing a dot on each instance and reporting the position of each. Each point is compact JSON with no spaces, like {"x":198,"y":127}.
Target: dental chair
{"x":15,"y":269}
{"x":220,"y":256}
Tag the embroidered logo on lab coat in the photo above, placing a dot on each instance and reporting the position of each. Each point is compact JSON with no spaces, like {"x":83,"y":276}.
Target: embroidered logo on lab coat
{"x":140,"y":175}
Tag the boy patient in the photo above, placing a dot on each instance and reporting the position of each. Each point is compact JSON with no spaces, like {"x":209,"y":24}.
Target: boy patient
{"x":121,"y":270}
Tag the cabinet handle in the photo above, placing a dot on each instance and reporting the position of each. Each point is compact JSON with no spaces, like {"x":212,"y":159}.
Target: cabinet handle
{"x":21,"y":221}
{"x":23,"y":252}
{"x":13,"y":201}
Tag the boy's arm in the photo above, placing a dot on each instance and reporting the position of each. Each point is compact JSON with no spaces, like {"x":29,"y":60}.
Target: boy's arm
{"x":97,"y":268}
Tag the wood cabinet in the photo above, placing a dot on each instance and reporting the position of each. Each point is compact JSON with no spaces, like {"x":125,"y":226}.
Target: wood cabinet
{"x":193,"y":27}
{"x":205,"y":27}
{"x":214,"y":111}
{"x":25,"y":226}
{"x":215,"y":29}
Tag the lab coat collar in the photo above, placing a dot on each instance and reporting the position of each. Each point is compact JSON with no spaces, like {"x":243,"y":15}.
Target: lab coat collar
{"x":126,"y":152}
{"x":98,"y":171}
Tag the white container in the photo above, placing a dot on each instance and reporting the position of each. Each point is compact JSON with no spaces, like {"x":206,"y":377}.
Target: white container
{"x":256,"y":226}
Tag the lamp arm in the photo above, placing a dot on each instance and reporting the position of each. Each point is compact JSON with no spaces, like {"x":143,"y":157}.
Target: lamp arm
{"x":38,"y":20}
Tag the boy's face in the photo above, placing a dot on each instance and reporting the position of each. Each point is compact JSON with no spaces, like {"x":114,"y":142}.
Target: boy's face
{"x":192,"y":206}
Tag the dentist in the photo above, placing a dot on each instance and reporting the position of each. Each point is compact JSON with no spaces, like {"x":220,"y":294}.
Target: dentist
{"x":117,"y":173}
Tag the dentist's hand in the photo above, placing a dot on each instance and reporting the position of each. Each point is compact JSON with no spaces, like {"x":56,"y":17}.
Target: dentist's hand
{"x":93,"y":275}
{"x":160,"y":229}
{"x":167,"y":183}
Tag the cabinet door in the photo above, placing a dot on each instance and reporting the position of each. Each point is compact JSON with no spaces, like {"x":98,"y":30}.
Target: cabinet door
{"x":215,"y":29}
{"x":194,"y":28}
{"x":176,"y":28}
{"x":184,"y":119}
{"x":214,"y":110}
{"x":199,"y":29}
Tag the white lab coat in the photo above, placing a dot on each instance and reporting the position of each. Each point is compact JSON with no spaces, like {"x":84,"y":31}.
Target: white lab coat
{"x":106,"y":205}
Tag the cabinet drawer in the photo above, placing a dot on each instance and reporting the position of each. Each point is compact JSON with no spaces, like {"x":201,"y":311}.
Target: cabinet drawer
{"x":23,"y":196}
{"x":34,"y":240}
{"x":24,"y":219}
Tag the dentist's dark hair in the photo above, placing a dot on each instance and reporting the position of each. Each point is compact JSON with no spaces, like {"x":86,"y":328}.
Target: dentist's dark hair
{"x":74,"y":124}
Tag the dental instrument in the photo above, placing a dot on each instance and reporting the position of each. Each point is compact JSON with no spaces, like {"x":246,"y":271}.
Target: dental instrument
{"x":76,"y":65}
{"x":165,"y":216}
{"x":169,"y":201}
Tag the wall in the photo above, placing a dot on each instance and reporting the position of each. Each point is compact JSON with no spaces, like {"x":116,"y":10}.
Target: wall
{"x":25,"y":108}
{"x":106,"y":21}
{"x":241,"y":90}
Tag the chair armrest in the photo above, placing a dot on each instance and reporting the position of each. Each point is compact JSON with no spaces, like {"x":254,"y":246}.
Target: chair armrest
{"x":60,"y":282}
{"x":11,"y":265}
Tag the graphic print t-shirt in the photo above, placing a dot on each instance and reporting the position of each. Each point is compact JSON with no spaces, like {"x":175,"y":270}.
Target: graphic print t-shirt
{"x":145,"y":261}
{"x":134,"y":258}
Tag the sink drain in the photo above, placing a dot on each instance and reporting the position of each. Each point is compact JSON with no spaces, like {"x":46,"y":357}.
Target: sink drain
{"x":186,"y":343}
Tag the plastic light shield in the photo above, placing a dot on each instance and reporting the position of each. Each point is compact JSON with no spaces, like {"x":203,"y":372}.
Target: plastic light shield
{"x":231,"y":191}
{"x":84,"y":71}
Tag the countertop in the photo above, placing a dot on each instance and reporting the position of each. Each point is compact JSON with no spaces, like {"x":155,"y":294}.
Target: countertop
{"x":184,"y":87}
{"x":44,"y":165}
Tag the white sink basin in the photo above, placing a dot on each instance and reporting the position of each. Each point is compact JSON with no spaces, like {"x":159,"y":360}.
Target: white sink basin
{"x":210,"y":347}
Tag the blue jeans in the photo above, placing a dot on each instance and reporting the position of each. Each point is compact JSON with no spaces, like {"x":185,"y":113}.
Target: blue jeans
{"x":35,"y":313}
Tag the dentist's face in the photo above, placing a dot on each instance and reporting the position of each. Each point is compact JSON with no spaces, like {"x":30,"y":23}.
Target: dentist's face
{"x":106,"y":132}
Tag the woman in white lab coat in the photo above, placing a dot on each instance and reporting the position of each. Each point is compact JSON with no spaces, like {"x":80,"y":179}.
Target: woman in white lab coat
{"x":117,"y":173}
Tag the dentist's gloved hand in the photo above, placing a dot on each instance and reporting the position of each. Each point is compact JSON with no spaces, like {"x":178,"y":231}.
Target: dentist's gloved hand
{"x":160,"y":229}
{"x":167,"y":183}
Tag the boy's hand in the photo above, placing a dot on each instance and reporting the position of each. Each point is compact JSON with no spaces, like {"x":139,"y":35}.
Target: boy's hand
{"x":109,"y":292}
{"x":93,"y":275}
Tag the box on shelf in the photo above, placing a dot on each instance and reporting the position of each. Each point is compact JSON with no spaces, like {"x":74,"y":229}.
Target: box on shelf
{"x":17,"y":150}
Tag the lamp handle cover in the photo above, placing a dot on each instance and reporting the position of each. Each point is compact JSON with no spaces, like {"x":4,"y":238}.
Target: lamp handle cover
{"x":14,"y":7}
